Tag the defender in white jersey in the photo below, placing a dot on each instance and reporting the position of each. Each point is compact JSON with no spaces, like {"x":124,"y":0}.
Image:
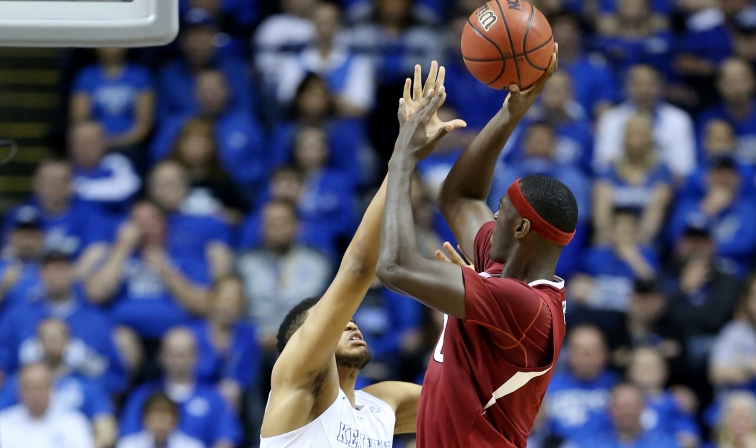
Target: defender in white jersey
{"x":313,"y":403}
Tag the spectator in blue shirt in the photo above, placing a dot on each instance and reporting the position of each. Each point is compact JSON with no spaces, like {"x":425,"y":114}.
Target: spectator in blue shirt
{"x":71,"y":390}
{"x":578,"y":395}
{"x":612,"y":265}
{"x":234,"y":16}
{"x":65,"y":220}
{"x":728,"y":211}
{"x":539,"y":158}
{"x":349,"y":76}
{"x":178,"y":80}
{"x":666,"y":411}
{"x":595,"y":87}
{"x":572,"y":128}
{"x":736,"y":87}
{"x":20,"y":280}
{"x":118,"y":94}
{"x":637,"y":180}
{"x":211,"y":190}
{"x":633,"y":36}
{"x":314,"y":105}
{"x":228,"y":352}
{"x":91,"y":350}
{"x":626,"y":431}
{"x":203,"y":412}
{"x":106,"y":181}
{"x":239,"y":136}
{"x":160,"y":418}
{"x":737,"y":427}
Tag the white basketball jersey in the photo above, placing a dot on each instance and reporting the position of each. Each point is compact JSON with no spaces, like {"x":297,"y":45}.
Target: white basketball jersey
{"x":371,"y":425}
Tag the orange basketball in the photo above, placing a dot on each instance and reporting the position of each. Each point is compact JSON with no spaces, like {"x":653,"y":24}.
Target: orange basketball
{"x":507,"y":42}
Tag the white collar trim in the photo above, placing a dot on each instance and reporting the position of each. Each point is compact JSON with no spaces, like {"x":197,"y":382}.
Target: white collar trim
{"x":557,"y":283}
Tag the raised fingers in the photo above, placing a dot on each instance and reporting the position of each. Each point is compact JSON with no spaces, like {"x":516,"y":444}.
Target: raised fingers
{"x":417,"y":92}
{"x":431,"y":80}
{"x":440,"y":78}
{"x":407,"y":91}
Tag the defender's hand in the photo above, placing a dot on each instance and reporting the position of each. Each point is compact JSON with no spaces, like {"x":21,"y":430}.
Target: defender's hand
{"x":414,"y":143}
{"x":518,"y":102}
{"x":413,"y":96}
{"x":454,"y":256}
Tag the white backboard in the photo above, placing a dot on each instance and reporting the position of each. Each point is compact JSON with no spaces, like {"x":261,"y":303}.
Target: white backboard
{"x":88,"y":23}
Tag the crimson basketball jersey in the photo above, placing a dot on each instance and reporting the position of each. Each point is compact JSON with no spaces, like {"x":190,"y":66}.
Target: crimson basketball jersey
{"x":489,"y":372}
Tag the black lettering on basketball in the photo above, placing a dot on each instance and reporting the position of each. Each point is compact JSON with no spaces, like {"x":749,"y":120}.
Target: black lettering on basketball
{"x":514,"y":4}
{"x":486,"y":17}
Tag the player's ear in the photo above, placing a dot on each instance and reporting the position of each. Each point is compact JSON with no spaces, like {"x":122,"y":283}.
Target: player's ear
{"x":522,"y":229}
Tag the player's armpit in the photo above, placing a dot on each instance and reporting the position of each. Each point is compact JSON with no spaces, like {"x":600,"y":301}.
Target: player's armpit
{"x":403,"y":399}
{"x":465,"y":217}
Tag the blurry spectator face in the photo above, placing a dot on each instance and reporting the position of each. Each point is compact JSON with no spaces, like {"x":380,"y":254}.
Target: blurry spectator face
{"x":639,"y":138}
{"x":719,"y":138}
{"x":53,"y":337}
{"x":587,"y":353}
{"x":739,"y":418}
{"x":327,"y":19}
{"x":633,"y":11}
{"x":731,"y":7}
{"x":646,"y":307}
{"x":539,"y":141}
{"x":566,"y":31}
{"x":52,"y":184}
{"x":301,"y":8}
{"x":227,"y":302}
{"x":313,"y":100}
{"x":36,"y":386}
{"x":57,"y":275}
{"x":87,"y":144}
{"x":150,"y":222}
{"x":196,"y":144}
{"x":168,"y":185}
{"x":625,"y":226}
{"x":26,"y":242}
{"x":725,"y":176}
{"x":286,"y":186}
{"x":393,"y":12}
{"x":736,"y":83}
{"x":198,"y":46}
{"x":212,"y":92}
{"x":557,"y":92}
{"x":178,"y":355}
{"x":161,"y":420}
{"x":311,"y":149}
{"x":745,"y":45}
{"x":644,"y":85}
{"x":111,"y":56}
{"x":212,"y":6}
{"x":280,"y":226}
{"x":647,"y":369}
{"x":625,"y":408}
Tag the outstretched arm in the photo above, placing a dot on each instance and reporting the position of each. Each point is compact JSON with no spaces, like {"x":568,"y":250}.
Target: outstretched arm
{"x":463,"y":195}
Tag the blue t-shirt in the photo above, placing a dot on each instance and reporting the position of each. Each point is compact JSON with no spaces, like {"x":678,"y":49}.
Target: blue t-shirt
{"x":713,"y":44}
{"x":576,"y":407}
{"x":592,"y":81}
{"x":608,"y":439}
{"x":114,"y":98}
{"x":745,"y":130}
{"x":473,"y":101}
{"x":383,"y":322}
{"x":346,"y":137}
{"x":240,"y":145}
{"x":662,"y":413}
{"x":244,"y":12}
{"x":27,"y":288}
{"x":176,"y":86}
{"x":732,"y":229}
{"x":657,"y":6}
{"x":91,"y":350}
{"x":636,"y":196}
{"x":695,"y":185}
{"x":204,"y":414}
{"x":70,"y":391}
{"x":241,"y":363}
{"x":622,"y":53}
{"x":68,"y":231}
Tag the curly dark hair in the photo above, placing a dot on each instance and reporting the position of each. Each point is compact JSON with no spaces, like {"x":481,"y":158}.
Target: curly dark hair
{"x":552,"y":200}
{"x":293,"y":320}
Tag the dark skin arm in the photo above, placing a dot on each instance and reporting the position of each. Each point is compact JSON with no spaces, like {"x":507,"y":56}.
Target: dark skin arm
{"x":464,"y":193}
{"x":401,"y":268}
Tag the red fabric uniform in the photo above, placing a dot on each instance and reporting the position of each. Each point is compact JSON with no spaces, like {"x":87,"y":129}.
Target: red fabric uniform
{"x":489,"y":373}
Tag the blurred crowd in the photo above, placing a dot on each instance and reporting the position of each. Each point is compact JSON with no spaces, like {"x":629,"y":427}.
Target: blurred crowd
{"x":204,"y":188}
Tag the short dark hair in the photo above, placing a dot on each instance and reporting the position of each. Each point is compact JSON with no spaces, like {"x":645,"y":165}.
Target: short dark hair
{"x":552,"y":200}
{"x":160,"y":401}
{"x":293,"y":320}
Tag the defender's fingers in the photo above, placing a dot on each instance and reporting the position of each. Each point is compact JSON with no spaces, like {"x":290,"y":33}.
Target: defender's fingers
{"x":437,"y":100}
{"x":441,"y":77}
{"x":440,"y":256}
{"x":407,"y":90}
{"x":431,"y":80}
{"x":441,"y":133}
{"x":402,"y":112}
{"x":416,"y":89}
{"x":453,"y":255}
{"x":457,"y":123}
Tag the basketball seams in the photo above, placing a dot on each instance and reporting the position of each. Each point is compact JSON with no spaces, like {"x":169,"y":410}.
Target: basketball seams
{"x":525,"y":40}
{"x":501,"y":53}
{"x":515,"y":55}
{"x":509,"y":35}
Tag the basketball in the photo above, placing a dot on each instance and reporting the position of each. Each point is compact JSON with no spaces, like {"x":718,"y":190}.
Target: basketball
{"x":507,"y":42}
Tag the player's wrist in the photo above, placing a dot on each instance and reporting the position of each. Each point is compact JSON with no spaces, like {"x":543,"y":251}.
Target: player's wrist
{"x":402,"y":162}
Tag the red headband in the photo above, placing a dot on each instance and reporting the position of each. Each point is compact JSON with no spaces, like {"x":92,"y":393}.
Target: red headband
{"x":537,"y":223}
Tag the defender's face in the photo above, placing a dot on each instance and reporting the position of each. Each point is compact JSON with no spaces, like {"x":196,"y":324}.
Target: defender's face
{"x":502,"y":239}
{"x":352,"y":351}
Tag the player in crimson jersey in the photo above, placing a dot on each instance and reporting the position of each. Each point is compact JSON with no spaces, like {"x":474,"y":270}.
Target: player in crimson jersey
{"x":504,"y":320}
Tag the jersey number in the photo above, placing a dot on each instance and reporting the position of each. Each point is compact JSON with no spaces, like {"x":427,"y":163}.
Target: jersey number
{"x":438,"y":353}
